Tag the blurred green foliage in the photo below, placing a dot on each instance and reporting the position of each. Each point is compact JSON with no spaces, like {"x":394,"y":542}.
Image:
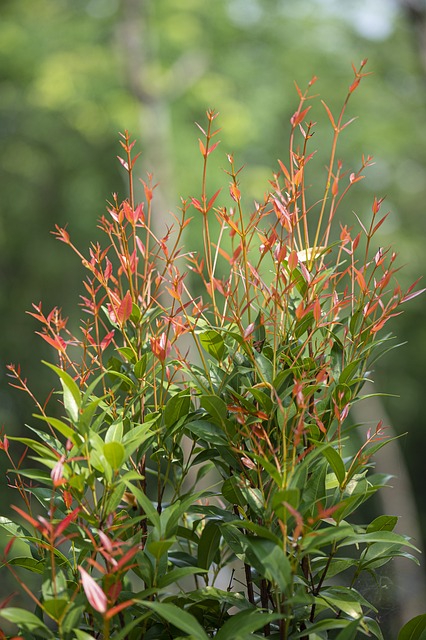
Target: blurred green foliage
{"x":73,"y":73}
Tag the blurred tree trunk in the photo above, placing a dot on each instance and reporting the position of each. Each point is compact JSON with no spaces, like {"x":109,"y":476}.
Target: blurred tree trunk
{"x":408,"y":577}
{"x":415,"y":11}
{"x":138,"y":43}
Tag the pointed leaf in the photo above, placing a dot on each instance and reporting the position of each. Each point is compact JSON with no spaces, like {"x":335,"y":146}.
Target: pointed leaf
{"x":415,"y":629}
{"x":208,"y":545}
{"x":114,"y":453}
{"x":72,"y":393}
{"x":179,"y":618}
{"x":243,"y":624}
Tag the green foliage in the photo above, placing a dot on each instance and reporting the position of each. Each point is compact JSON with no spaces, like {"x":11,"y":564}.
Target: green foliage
{"x":204,"y":435}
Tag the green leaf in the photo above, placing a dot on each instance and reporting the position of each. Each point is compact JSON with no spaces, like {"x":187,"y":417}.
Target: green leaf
{"x":336,"y":463}
{"x":327,"y":535}
{"x":291,"y":496}
{"x":177,"y":617}
{"x":213,"y":343}
{"x":26,"y":620}
{"x":145,"y":503}
{"x":82,"y":635}
{"x":264,"y":366}
{"x":377,"y":536}
{"x":216,"y":407}
{"x":349,"y":371}
{"x":345,"y":599}
{"x":73,"y":616}
{"x":115,"y":432}
{"x":174,"y":575}
{"x":62,"y":427}
{"x":323,"y":625}
{"x":242,"y":624}
{"x":207,"y":431}
{"x":159,"y":548}
{"x":140,"y":367}
{"x":72,"y":394}
{"x":350,"y":632}
{"x":41,"y":449}
{"x":415,"y":629}
{"x":26,"y":562}
{"x":55,"y":607}
{"x":137,"y":435}
{"x":177,"y":407}
{"x":208,"y":545}
{"x":383,"y":523}
{"x":128,"y":353}
{"x":231,"y":491}
{"x":269,"y":560}
{"x":114,"y":453}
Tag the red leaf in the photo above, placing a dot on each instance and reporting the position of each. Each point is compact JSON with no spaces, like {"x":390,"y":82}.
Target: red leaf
{"x":148,"y":192}
{"x":293,"y":260}
{"x":354,"y":85}
{"x":202,"y":148}
{"x":119,"y":607}
{"x":213,"y":147}
{"x":26,"y":517}
{"x":66,"y":521}
{"x":298,"y":116}
{"x":57,"y":342}
{"x":107,"y":340}
{"x":93,"y":591}
{"x":235,"y":192}
{"x":124,"y":311}
{"x":330,"y":115}
{"x":197,"y":204}
{"x":361,"y":281}
{"x":212,"y":199}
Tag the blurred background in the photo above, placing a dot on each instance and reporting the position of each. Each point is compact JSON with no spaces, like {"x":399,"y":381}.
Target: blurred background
{"x":74,"y":73}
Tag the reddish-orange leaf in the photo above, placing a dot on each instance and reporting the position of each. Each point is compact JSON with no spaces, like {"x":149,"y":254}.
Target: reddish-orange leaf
{"x":330,"y":115}
{"x":213,"y":147}
{"x":361,"y":280}
{"x":235,"y":192}
{"x":298,"y":117}
{"x":354,"y":85}
{"x":124,"y":310}
{"x":317,"y":310}
{"x":236,"y":253}
{"x":107,"y":340}
{"x":300,"y":311}
{"x":293,"y":260}
{"x":135,"y":158}
{"x":197,"y":204}
{"x":212,"y":199}
{"x":26,"y":516}
{"x":119,"y":607}
{"x":379,"y":224}
{"x":202,"y":148}
{"x":66,"y":521}
{"x":57,"y":342}
{"x":284,"y":170}
{"x":298,"y":177}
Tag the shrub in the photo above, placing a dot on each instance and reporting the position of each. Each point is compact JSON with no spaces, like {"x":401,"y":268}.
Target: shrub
{"x":197,"y":475}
